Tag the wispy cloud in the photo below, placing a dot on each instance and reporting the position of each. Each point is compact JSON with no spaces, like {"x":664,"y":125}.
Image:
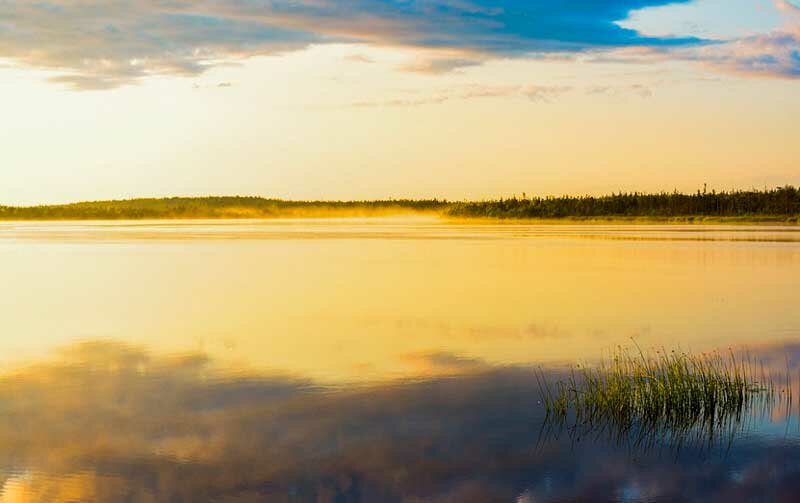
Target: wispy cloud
{"x":532,"y":92}
{"x":100,"y":44}
{"x":434,"y":65}
{"x":358,"y":58}
{"x":774,"y":54}
{"x":641,"y":90}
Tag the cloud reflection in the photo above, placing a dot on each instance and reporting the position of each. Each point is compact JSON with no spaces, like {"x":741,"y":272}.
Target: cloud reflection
{"x":108,"y":423}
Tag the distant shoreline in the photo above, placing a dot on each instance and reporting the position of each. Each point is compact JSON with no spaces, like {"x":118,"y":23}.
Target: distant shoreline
{"x":776,"y":206}
{"x":776,"y":220}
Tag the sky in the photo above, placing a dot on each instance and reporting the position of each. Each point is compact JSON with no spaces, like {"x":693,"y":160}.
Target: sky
{"x":363,"y":99}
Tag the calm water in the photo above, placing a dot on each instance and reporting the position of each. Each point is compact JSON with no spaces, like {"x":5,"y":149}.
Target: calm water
{"x":386,"y":360}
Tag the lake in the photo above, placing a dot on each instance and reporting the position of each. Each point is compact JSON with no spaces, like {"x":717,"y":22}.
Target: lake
{"x":378,"y":360}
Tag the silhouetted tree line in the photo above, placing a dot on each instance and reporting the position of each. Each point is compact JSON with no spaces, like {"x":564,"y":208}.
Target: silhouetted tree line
{"x":209,"y":207}
{"x":781,"y":202}
{"x":778,"y":202}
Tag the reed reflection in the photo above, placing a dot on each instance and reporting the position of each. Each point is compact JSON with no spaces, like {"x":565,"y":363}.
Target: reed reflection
{"x":666,"y":399}
{"x":109,"y":422}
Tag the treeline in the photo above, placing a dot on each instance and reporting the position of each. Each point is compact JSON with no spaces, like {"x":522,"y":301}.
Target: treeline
{"x":782,"y":203}
{"x":779,"y":203}
{"x":214,"y":207}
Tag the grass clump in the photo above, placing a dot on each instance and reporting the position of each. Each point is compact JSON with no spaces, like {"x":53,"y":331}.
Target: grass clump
{"x":665,"y":394}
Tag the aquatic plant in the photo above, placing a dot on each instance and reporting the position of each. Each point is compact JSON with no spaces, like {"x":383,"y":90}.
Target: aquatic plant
{"x":672,"y":396}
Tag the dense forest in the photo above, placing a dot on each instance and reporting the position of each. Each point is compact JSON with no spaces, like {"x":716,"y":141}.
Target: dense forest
{"x":782,"y":203}
{"x":779,"y":204}
{"x":215,"y":207}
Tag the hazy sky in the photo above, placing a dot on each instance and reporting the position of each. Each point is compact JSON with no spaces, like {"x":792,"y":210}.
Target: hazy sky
{"x":395,"y":98}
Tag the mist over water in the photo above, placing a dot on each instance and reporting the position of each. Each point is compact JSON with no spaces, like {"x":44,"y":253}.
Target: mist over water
{"x":379,"y":360}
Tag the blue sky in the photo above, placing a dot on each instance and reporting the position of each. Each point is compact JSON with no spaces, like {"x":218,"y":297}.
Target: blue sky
{"x":716,"y":19}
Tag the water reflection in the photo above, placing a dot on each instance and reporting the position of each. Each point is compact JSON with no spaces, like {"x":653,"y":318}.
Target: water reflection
{"x":373,"y":361}
{"x":400,"y":228}
{"x":110,"y":422}
{"x":354,"y":300}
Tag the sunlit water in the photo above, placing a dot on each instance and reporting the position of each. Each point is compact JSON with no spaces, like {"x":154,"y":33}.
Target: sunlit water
{"x":384,"y":360}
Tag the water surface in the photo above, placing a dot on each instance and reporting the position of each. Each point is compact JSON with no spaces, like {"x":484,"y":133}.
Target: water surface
{"x":344,"y":300}
{"x":374,"y":360}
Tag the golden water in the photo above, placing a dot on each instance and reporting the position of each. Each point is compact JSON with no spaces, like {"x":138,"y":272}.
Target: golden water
{"x":345,"y":300}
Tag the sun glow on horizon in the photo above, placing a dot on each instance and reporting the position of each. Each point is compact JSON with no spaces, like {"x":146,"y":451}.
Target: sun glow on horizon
{"x":360,"y":120}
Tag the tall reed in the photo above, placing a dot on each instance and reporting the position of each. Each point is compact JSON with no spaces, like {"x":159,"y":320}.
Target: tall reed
{"x":661,"y":394}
